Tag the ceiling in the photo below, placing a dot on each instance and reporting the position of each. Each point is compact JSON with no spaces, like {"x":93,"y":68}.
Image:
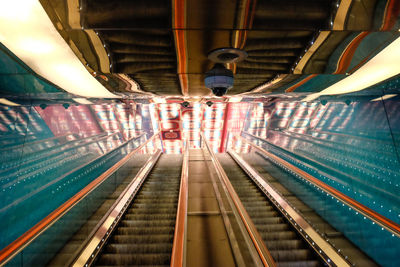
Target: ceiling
{"x":161,"y":46}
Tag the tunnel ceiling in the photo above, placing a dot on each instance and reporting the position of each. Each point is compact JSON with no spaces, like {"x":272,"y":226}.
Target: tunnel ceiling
{"x":161,"y":46}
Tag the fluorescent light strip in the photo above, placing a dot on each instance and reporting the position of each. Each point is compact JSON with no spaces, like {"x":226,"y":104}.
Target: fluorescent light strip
{"x":381,"y":67}
{"x":8,"y":102}
{"x":83,"y":101}
{"x":384,"y":97}
{"x":28,"y":32}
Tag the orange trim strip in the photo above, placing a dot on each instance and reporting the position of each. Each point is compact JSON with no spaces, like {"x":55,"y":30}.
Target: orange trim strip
{"x":241,"y":34}
{"x":180,"y":37}
{"x":40,"y":226}
{"x":293,"y":87}
{"x":348,"y":53}
{"x":177,"y":256}
{"x":248,"y":22}
{"x":392,"y":12}
{"x":364,"y":209}
{"x":248,"y":228}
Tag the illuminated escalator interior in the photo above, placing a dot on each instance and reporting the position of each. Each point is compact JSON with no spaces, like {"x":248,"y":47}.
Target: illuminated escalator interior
{"x":145,"y":234}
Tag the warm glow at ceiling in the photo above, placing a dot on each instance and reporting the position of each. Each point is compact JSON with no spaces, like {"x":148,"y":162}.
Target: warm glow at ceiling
{"x":381,"y":67}
{"x":29,"y":33}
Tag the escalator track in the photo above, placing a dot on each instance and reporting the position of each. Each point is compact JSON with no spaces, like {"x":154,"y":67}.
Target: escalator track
{"x":286,"y":246}
{"x":144,"y":235}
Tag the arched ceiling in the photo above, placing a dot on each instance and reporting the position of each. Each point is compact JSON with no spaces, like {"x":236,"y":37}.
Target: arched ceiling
{"x":162,"y":45}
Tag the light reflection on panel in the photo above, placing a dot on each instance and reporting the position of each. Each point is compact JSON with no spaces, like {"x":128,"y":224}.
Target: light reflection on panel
{"x":213,"y":124}
{"x":191,"y":124}
{"x":169,"y":116}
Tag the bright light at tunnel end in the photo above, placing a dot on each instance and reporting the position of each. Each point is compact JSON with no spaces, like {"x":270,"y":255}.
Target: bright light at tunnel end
{"x":27,"y":31}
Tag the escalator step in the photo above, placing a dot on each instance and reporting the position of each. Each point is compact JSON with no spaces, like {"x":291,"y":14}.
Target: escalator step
{"x":148,"y":210}
{"x":284,"y":235}
{"x":263,"y":221}
{"x":273,"y":227}
{"x":285,"y":244}
{"x":264,"y":214}
{"x":144,"y":230}
{"x":135,"y":259}
{"x":144,"y":223}
{"x":299,"y":264}
{"x":134,"y":216}
{"x":138,"y":248}
{"x":141,"y":239}
{"x":291,"y":255}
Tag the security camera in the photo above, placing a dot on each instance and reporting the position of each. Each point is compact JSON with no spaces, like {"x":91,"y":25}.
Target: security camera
{"x":185,"y":104}
{"x":219,"y":79}
{"x":209,"y":103}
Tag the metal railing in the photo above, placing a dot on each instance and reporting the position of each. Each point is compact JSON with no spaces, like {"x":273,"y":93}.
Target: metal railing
{"x":178,"y":257}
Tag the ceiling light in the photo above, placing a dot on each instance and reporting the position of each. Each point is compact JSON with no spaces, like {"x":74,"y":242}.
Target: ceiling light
{"x":381,"y":67}
{"x":8,"y":102}
{"x":83,"y":101}
{"x":28,"y":32}
{"x":384,"y":97}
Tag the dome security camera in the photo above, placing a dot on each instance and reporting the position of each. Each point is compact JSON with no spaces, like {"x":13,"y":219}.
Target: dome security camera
{"x":185,"y":104}
{"x":219,"y":79}
{"x":209,"y":103}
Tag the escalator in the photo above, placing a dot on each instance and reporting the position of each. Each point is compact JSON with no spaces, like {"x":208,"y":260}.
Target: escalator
{"x":144,"y":235}
{"x":283,"y":242}
{"x":294,"y":191}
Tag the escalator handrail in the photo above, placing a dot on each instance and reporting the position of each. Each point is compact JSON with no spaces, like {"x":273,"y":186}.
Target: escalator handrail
{"x":384,"y":222}
{"x":263,"y":253}
{"x":316,"y":241}
{"x":7,"y":253}
{"x":370,"y":138}
{"x":179,"y":246}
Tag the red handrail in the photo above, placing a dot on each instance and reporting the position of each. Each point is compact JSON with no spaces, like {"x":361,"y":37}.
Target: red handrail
{"x":178,"y":249}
